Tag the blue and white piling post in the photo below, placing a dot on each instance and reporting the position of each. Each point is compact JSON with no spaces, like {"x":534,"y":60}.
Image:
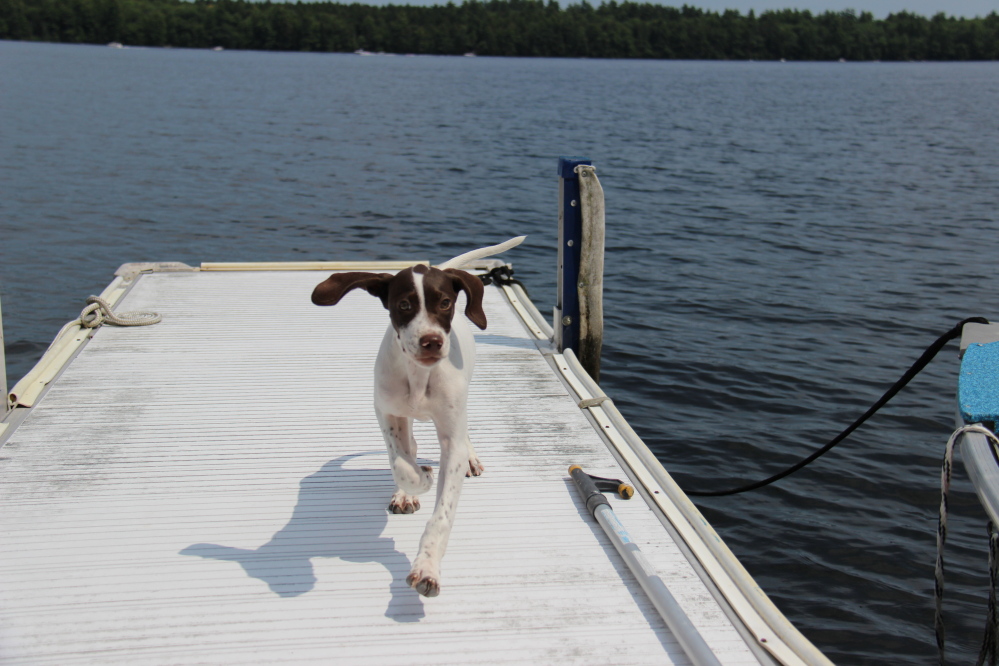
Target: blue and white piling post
{"x":570,"y":242}
{"x":578,"y":322}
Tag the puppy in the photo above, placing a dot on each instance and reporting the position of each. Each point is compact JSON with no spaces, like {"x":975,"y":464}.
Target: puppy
{"x":423,"y":370}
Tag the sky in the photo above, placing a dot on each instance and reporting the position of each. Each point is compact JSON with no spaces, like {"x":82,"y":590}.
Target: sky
{"x":880,"y":8}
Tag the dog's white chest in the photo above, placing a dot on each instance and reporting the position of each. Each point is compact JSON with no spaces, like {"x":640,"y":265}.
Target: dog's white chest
{"x":405,"y":388}
{"x":405,"y":399}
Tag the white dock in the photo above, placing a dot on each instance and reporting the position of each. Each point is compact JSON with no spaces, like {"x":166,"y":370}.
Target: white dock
{"x":212,"y":489}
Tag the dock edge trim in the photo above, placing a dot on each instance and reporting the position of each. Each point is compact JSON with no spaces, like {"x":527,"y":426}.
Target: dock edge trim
{"x":68,"y":341}
{"x":72,"y":337}
{"x":761,"y":617}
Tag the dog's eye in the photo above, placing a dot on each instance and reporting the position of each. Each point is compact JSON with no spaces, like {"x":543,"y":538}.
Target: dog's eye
{"x":445,"y":304}
{"x":404,"y":305}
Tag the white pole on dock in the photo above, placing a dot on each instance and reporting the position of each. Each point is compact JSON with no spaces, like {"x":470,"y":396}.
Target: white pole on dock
{"x":676,"y":619}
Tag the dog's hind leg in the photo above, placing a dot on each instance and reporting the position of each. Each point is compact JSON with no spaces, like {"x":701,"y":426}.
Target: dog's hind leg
{"x":410,"y":479}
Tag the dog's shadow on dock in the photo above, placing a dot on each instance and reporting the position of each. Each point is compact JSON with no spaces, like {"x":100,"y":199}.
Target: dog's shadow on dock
{"x":340,"y":513}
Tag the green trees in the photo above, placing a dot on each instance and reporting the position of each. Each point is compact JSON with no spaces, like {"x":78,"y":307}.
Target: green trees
{"x":505,"y":27}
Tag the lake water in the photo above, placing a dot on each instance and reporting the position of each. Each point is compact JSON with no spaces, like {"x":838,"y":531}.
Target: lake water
{"x":784,"y":239}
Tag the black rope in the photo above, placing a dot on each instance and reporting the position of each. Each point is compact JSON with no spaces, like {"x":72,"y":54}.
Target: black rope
{"x":990,"y":643}
{"x":502,"y":275}
{"x":920,"y":363}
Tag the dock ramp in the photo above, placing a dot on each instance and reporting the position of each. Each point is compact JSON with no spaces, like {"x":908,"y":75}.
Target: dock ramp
{"x":212,"y":489}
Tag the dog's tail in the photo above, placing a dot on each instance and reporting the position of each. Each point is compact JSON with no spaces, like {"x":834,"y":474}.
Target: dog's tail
{"x":468,"y":257}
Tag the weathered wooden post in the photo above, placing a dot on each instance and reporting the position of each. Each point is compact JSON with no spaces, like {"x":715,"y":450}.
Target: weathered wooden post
{"x":579,"y":304}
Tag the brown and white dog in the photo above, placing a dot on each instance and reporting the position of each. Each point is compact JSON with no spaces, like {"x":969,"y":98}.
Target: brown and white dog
{"x":422,"y":372}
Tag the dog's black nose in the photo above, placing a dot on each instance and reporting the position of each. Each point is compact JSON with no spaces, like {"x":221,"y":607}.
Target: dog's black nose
{"x":432,"y":342}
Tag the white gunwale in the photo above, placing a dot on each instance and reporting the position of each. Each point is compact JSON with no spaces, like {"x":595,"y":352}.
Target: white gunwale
{"x":976,"y":450}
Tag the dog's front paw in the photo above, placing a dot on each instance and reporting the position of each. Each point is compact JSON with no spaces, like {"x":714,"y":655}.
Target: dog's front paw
{"x":423,"y":582}
{"x":403,"y":503}
{"x":475,"y":467}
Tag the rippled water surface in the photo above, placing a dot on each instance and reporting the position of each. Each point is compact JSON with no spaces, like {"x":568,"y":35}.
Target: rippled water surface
{"x":783,"y":241}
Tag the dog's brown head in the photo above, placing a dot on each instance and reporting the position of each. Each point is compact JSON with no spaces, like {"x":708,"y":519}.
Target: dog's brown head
{"x":420,"y":300}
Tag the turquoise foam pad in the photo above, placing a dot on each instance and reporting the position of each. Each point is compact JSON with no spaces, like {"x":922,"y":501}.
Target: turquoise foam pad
{"x":978,"y":386}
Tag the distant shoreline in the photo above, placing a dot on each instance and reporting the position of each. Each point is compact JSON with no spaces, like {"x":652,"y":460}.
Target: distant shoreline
{"x":521,"y":28}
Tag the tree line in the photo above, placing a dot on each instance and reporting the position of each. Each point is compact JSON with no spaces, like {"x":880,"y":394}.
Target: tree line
{"x":505,"y":28}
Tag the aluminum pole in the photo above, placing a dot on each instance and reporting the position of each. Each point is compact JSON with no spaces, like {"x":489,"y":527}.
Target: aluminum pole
{"x":686,"y":633}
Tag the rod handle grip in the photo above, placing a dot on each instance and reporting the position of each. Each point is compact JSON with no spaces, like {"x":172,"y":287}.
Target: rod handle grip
{"x":588,"y":489}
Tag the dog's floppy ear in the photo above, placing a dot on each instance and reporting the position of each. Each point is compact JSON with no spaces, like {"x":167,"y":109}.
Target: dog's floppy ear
{"x":473,"y":291}
{"x":332,"y":289}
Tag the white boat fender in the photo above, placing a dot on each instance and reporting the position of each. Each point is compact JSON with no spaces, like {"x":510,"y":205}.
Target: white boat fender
{"x":676,"y":619}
